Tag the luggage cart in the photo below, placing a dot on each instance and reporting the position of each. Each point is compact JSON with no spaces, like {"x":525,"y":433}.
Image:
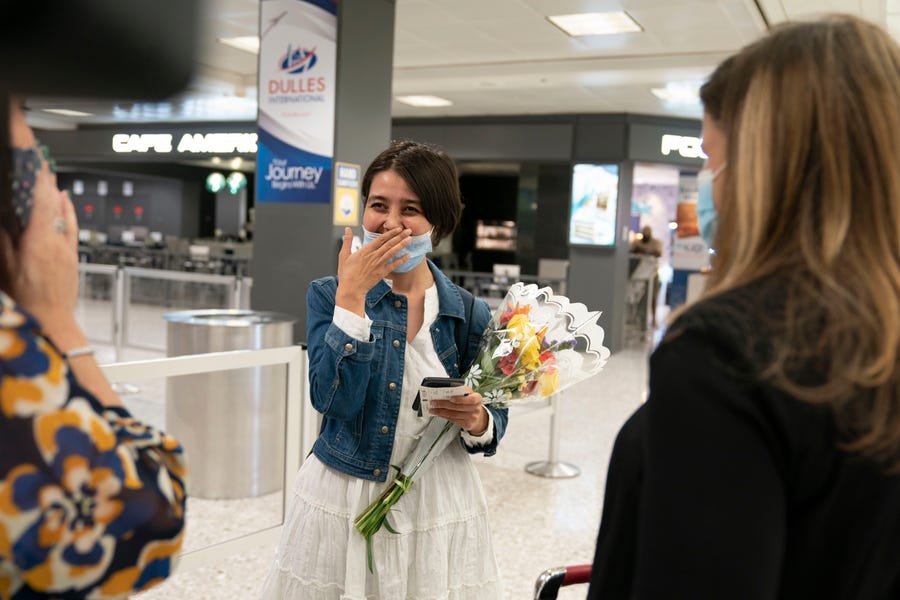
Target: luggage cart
{"x":548,"y":583}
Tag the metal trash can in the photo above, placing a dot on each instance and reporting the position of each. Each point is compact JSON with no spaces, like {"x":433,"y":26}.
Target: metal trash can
{"x":231,"y":423}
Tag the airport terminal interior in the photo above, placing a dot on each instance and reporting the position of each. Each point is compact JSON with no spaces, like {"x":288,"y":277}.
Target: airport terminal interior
{"x":577,"y":150}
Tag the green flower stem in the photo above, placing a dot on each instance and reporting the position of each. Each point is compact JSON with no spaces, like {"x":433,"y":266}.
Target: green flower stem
{"x":375,"y":516}
{"x":371,"y":519}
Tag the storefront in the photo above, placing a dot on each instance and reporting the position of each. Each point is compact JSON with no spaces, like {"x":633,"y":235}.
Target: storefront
{"x":157,"y":176}
{"x":584,"y":185}
{"x":150,"y":193}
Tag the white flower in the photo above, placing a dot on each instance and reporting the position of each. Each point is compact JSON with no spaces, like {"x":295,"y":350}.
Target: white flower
{"x":473,"y":377}
{"x":494,"y":396}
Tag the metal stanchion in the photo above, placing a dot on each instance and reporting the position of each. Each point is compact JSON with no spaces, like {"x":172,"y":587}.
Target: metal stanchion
{"x":552,"y":467}
{"x":246,"y":283}
{"x":119,"y":301}
{"x":118,"y":312}
{"x":311,"y":422}
{"x":236,"y":293}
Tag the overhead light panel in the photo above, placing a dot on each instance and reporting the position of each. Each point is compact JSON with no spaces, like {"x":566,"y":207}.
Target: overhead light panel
{"x":67,"y":113}
{"x":678,"y":94}
{"x":606,"y":23}
{"x":247,"y":43}
{"x":424,"y":101}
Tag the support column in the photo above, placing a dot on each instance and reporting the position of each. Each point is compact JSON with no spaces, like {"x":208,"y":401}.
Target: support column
{"x":296,"y":241}
{"x":598,"y":277}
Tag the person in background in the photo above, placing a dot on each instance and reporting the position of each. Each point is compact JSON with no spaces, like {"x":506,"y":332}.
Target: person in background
{"x":766,"y":461}
{"x":388,"y":320}
{"x":91,"y":500}
{"x":648,"y":245}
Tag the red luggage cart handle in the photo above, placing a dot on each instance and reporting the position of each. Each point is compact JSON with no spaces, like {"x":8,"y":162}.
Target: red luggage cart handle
{"x":548,"y":583}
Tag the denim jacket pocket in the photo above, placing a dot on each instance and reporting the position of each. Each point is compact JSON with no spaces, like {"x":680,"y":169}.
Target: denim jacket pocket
{"x":346,"y":440}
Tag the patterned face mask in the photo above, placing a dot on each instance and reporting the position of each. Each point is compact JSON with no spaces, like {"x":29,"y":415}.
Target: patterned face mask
{"x":26,"y":162}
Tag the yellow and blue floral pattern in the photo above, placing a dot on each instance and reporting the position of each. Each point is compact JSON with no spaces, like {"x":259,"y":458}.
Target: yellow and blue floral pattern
{"x":91,"y":501}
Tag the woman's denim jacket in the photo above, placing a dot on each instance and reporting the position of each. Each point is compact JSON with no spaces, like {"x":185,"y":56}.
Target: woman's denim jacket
{"x":356,"y":385}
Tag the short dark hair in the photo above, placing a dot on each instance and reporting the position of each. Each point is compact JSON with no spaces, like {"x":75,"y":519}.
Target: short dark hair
{"x":431,"y":174}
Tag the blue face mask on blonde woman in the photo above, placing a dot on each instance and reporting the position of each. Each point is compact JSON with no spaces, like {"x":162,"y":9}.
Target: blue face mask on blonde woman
{"x":707,"y":216}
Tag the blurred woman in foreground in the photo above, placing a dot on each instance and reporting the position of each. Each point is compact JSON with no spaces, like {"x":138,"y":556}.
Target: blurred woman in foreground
{"x":91,"y":501}
{"x":766,"y":461}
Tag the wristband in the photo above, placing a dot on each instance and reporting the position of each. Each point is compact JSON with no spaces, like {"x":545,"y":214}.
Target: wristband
{"x":76,"y":352}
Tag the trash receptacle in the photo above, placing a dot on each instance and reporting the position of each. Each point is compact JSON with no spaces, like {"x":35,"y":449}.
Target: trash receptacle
{"x":231,"y":423}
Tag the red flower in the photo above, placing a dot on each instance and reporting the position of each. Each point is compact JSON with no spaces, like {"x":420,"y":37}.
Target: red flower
{"x":507,"y":364}
{"x":529,"y":386}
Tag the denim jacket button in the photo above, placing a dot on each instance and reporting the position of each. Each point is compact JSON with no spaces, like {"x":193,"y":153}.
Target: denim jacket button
{"x":392,"y":386}
{"x":376,"y":472}
{"x":348,"y":347}
{"x":397,"y":303}
{"x":384,"y":429}
{"x":396,"y":343}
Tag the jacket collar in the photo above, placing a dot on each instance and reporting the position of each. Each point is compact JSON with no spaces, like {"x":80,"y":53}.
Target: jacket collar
{"x":449,"y":300}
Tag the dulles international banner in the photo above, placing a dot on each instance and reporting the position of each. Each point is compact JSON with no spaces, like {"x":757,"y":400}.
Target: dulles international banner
{"x":297,"y":64}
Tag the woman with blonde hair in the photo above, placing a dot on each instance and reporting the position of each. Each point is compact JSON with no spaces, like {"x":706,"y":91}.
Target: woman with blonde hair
{"x":766,"y":461}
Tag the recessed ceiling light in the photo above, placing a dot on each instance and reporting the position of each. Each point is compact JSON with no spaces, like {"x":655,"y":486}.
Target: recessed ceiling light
{"x":424,"y":101}
{"x":595,"y":23}
{"x":68,"y":113}
{"x":247,"y":43}
{"x":678,"y":94}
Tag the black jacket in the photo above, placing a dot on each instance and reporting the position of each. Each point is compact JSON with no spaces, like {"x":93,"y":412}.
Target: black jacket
{"x":722,"y":486}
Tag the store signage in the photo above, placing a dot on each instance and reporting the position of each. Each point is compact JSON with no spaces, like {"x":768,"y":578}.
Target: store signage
{"x":297,"y":66}
{"x":686,"y":146}
{"x":346,"y":194}
{"x":188,"y":143}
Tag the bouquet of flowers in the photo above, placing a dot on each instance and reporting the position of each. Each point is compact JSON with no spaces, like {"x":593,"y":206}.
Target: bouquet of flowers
{"x":536,"y":344}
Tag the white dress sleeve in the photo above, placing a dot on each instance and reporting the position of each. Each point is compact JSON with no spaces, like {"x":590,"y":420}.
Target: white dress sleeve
{"x":352,"y":324}
{"x":480,"y":440}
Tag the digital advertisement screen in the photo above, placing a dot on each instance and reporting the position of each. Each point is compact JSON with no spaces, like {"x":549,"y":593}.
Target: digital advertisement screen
{"x":592,"y":220}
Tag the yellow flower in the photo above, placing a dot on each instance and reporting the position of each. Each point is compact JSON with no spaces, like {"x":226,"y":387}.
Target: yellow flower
{"x":521,"y":329}
{"x":549,"y":382}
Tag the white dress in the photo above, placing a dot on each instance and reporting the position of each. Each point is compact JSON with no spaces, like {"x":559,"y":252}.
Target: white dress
{"x":443,"y":549}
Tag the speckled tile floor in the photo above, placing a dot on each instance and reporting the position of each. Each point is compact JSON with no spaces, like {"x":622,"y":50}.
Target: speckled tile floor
{"x":537,"y":522}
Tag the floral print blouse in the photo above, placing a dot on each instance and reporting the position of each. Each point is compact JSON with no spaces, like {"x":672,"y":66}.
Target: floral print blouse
{"x":91,"y":501}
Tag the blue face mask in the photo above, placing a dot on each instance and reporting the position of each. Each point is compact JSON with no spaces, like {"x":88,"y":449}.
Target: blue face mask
{"x":707,"y":217}
{"x":419,"y":246}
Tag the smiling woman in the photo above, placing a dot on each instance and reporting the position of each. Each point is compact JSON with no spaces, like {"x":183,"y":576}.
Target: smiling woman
{"x":388,"y":321}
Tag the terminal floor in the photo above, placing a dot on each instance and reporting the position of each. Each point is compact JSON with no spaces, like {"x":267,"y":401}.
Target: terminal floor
{"x":537,"y":522}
